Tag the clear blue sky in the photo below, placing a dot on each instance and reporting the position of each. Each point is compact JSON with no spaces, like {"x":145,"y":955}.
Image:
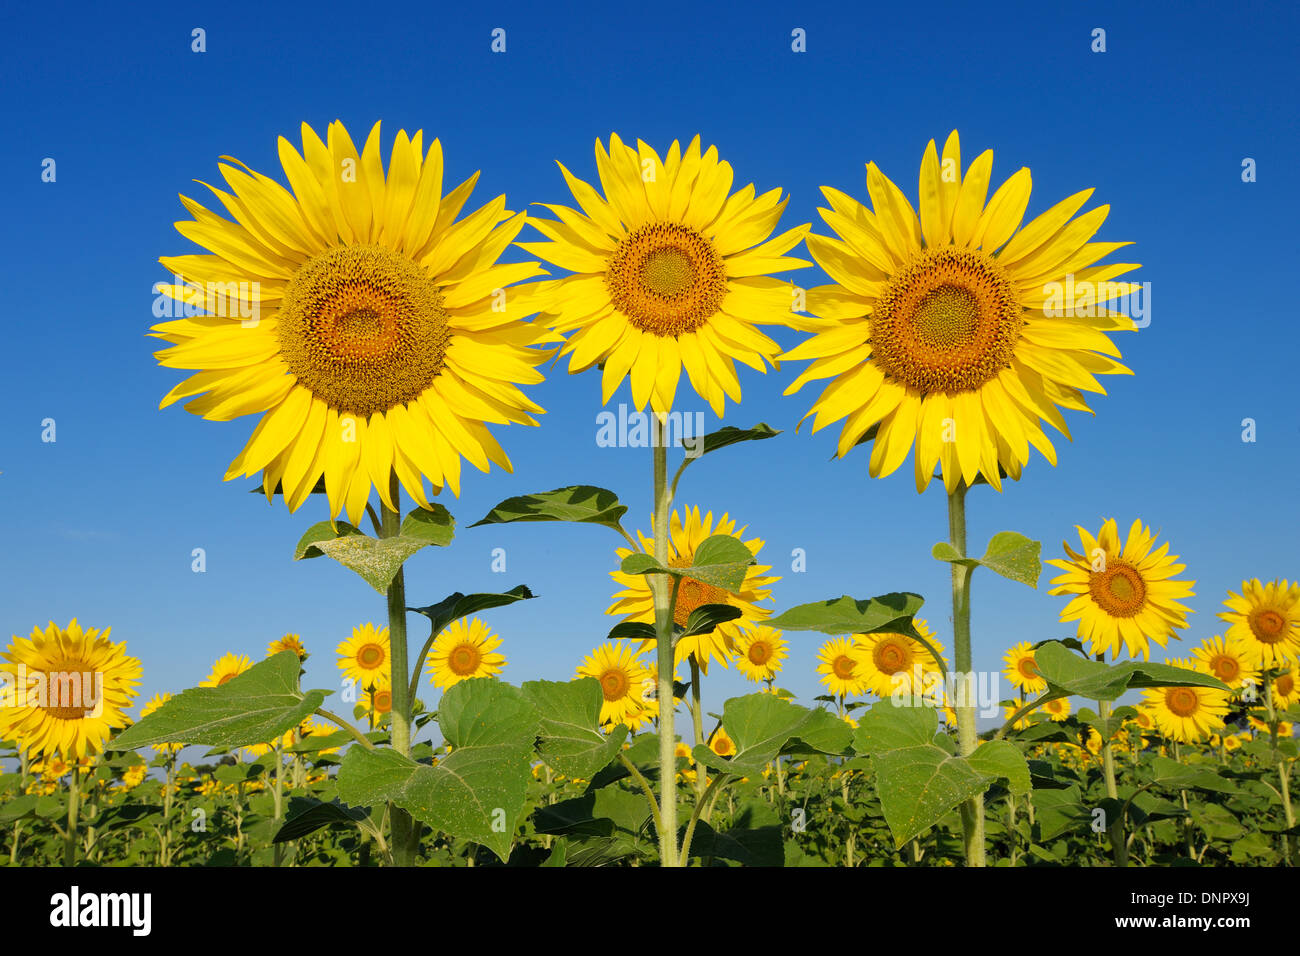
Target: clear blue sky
{"x":100,"y":525}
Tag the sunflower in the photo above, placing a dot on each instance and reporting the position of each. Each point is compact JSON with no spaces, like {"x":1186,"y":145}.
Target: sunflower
{"x":623,"y":678}
{"x":290,"y":642}
{"x":134,"y":775}
{"x":1009,"y":711}
{"x":670,"y":273}
{"x":1125,"y":593}
{"x":841,"y":668}
{"x":948,"y":329}
{"x":1284,"y":728}
{"x":226,"y":667}
{"x":685,"y":535}
{"x":364,"y":657}
{"x":760,"y":651}
{"x":464,"y":650}
{"x":1021,"y":669}
{"x":374,"y":333}
{"x":1266,"y":619}
{"x":287,"y":740}
{"x":891,"y":662}
{"x":156,"y":701}
{"x":379,"y":699}
{"x":721,"y":744}
{"x":1228,"y":660}
{"x":1286,"y":689}
{"x":1057,"y":709}
{"x":1187,"y":714}
{"x":76,"y":691}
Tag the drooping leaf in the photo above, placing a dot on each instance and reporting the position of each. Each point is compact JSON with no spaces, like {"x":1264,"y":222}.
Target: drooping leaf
{"x":570,"y":738}
{"x":721,"y":560}
{"x":705,"y":618}
{"x":731,"y":435}
{"x":254,"y":707}
{"x":377,"y":560}
{"x":581,"y":503}
{"x":456,"y":606}
{"x":760,"y":725}
{"x":307,"y":815}
{"x":889,"y":613}
{"x":1009,"y":553}
{"x":1068,"y":672}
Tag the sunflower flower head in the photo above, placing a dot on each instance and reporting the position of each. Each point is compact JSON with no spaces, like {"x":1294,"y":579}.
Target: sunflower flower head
{"x":954,"y":328}
{"x":463,"y":650}
{"x":626,"y":681}
{"x":371,"y":329}
{"x":1265,"y":618}
{"x":1124,"y":593}
{"x":227,"y":666}
{"x":760,"y":652}
{"x":365,"y":657}
{"x":670,"y":273}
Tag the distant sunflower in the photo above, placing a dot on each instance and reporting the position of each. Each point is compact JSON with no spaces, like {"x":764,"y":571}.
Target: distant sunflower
{"x":1022,"y":671}
{"x":1187,"y":714}
{"x":1228,"y":660}
{"x":1266,"y":619}
{"x":372,"y":330}
{"x":290,"y":642}
{"x":287,"y":740}
{"x":1009,"y":711}
{"x":1125,"y":593}
{"x":76,"y":692}
{"x":685,"y":535}
{"x":226,"y":667}
{"x":1057,"y":709}
{"x":953,"y":330}
{"x":671,"y":273}
{"x":623,"y":678}
{"x":381,"y":699}
{"x":890,"y":662}
{"x":1286,"y":689}
{"x":759,"y":652}
{"x":364,"y":657}
{"x":462,"y":651}
{"x":841,"y":668}
{"x":721,"y":744}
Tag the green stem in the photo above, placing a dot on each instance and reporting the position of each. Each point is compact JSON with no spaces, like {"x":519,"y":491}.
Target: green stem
{"x":345,"y":725}
{"x":74,"y":805}
{"x":1282,"y":775}
{"x":697,"y":719}
{"x":406,"y":836}
{"x":1118,"y":845}
{"x":972,"y":810}
{"x":664,"y":644}
{"x":644,"y":784}
{"x":277,"y":792}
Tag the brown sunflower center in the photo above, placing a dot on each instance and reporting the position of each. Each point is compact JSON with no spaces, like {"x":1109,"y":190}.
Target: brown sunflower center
{"x":666,"y":278}
{"x":383,"y":701}
{"x":464,"y":659}
{"x":70,"y":691}
{"x":1182,"y":701}
{"x":843,"y":667}
{"x":1028,"y":669}
{"x":1285,"y":685}
{"x":1225,"y":668}
{"x":363,"y":328}
{"x":370,"y":656}
{"x":759,"y":652}
{"x":1267,"y":625}
{"x":891,"y":656}
{"x":1119,"y":590}
{"x":225,"y":677}
{"x":614,"y":684}
{"x":692,"y":594}
{"x":721,"y":745}
{"x":949,"y":321}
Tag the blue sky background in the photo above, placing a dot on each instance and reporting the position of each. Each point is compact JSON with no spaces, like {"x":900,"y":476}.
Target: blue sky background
{"x":101,"y":524}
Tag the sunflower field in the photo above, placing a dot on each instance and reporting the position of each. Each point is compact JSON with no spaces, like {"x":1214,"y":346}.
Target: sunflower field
{"x":380,"y":329}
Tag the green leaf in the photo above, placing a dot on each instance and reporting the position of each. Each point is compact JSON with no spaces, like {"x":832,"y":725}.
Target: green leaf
{"x":306,"y":815}
{"x":474,"y":793}
{"x":581,"y":503}
{"x":1057,"y":811}
{"x":1009,"y":554}
{"x":632,"y":631}
{"x":731,"y":435}
{"x":259,"y":705}
{"x":760,"y":725}
{"x":571,"y":741}
{"x":920,"y":782}
{"x":1066,"y":671}
{"x":456,"y":606}
{"x":484,"y":711}
{"x":890,"y":613}
{"x":707,"y":617}
{"x":721,"y":560}
{"x":377,"y":560}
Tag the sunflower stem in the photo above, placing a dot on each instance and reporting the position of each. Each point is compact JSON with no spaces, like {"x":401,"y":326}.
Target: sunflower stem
{"x":1282,"y":775}
{"x":664,"y":645}
{"x":74,"y":806}
{"x":697,"y":719}
{"x":1118,"y":845}
{"x":972,"y":810}
{"x":406,"y":836}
